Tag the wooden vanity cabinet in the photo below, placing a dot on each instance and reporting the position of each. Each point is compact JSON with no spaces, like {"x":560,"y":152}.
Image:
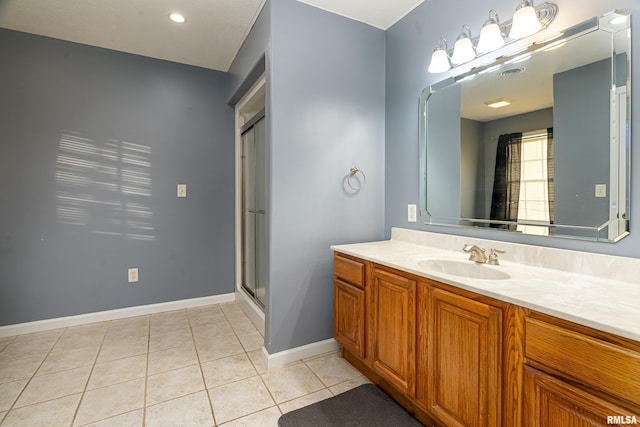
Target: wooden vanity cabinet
{"x":463,"y":369}
{"x":578,"y":376}
{"x":392,"y":317}
{"x":349,"y":304}
{"x":456,"y":358}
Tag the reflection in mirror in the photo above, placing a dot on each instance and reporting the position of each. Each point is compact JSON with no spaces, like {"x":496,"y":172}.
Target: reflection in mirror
{"x":536,"y":142}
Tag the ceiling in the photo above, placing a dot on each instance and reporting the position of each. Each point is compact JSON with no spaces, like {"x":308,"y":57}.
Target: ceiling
{"x":211,"y":37}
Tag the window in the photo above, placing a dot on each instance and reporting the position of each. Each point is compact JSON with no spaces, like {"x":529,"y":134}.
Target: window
{"x":536,"y":184}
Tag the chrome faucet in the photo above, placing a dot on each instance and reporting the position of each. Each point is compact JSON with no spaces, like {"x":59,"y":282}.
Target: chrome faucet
{"x":476,"y":253}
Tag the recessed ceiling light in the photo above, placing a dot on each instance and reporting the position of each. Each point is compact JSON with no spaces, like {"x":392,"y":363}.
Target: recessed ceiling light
{"x":498,"y":103}
{"x":177,"y":18}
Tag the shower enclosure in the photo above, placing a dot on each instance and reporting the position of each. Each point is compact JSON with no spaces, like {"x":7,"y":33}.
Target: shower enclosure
{"x":254,"y":224}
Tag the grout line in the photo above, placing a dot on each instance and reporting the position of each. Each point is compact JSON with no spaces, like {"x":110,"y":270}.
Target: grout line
{"x":86,"y":384}
{"x":204,"y":382}
{"x":146,"y":373}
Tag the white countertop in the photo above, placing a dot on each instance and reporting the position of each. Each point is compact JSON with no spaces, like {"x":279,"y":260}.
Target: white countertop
{"x":599,"y":302}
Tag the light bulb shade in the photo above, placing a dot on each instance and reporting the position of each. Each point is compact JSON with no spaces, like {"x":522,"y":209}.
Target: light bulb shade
{"x":462,"y":51}
{"x":439,"y":61}
{"x":490,"y":38}
{"x":525,"y":21}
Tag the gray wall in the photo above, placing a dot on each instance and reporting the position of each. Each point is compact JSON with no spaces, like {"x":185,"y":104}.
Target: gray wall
{"x":472,"y":161}
{"x":409,"y":44}
{"x":92,"y":145}
{"x":581,"y":125}
{"x":327,"y":115}
{"x":443,"y":167}
{"x":251,"y":60}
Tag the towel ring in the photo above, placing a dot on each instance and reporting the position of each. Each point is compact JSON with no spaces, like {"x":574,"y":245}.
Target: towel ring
{"x":354,"y":170}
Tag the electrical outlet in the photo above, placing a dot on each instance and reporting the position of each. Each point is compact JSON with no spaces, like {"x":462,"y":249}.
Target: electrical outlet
{"x":601,"y":190}
{"x":182,"y":190}
{"x":411,"y":213}
{"x":132,"y":275}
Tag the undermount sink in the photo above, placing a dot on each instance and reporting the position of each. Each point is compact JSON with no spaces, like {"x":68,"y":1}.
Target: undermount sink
{"x":469,"y":269}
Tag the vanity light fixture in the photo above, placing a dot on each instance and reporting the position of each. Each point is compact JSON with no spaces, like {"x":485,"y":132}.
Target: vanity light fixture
{"x":527,"y":20}
{"x":178,"y":18}
{"x":491,"y":35}
{"x":463,"y":50}
{"x":440,"y":58}
{"x":498,"y":103}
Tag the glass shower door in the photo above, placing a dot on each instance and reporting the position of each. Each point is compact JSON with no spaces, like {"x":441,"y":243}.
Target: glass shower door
{"x":253,"y":209}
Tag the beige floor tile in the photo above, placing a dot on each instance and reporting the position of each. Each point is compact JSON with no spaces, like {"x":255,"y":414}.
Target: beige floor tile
{"x":291,"y":382}
{"x":9,"y":393}
{"x":242,"y":325}
{"x":57,"y":412}
{"x":172,"y":384}
{"x":228,"y":369}
{"x":231,"y":308}
{"x":15,"y":369}
{"x":161,"y":340}
{"x":251,"y":341}
{"x":166,"y":322}
{"x":37,"y":344}
{"x":82,"y":336}
{"x":332,"y":369}
{"x":4,"y":341}
{"x":348,"y":385}
{"x":203,"y":315}
{"x":238,"y":399}
{"x":123,"y":348}
{"x":265,"y":418}
{"x":127,"y":328}
{"x":68,"y":359}
{"x":118,"y":371}
{"x":110,"y":401}
{"x":259,"y":360}
{"x":306,"y":400}
{"x":53,"y":386}
{"x":219,"y":348}
{"x":129,"y":419}
{"x":2,"y":414}
{"x":211,"y":331}
{"x":191,"y":410}
{"x":172,"y":358}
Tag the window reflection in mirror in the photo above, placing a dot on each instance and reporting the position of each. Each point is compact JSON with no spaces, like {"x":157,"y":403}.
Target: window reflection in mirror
{"x":566,"y":172}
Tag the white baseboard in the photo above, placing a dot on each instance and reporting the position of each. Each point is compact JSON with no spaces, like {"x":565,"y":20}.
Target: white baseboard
{"x":251,"y":310}
{"x":120,"y":313}
{"x":282,"y":358}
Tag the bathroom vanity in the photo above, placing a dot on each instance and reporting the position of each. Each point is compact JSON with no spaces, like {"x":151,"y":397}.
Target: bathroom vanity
{"x":517,"y":344}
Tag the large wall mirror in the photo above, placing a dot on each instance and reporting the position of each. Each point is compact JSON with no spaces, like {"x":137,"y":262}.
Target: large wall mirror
{"x":537,"y":141}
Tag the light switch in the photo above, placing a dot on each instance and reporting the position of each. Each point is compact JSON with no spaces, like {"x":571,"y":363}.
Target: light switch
{"x":411,"y":213}
{"x":132,"y":275}
{"x":601,"y":190}
{"x":182,"y":190}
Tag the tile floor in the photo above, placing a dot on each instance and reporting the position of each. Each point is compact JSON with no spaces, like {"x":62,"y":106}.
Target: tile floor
{"x":192,"y":367}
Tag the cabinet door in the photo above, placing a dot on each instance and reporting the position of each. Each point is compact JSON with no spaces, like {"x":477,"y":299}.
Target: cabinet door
{"x":550,"y":402}
{"x":393,"y":333}
{"x":464,"y":360}
{"x":348,"y":317}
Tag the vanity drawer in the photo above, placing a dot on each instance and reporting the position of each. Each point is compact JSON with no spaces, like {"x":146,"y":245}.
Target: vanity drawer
{"x":349,"y":270}
{"x":595,"y":363}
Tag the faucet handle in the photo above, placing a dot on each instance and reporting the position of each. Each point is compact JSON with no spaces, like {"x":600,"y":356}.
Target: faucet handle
{"x":493,"y":256}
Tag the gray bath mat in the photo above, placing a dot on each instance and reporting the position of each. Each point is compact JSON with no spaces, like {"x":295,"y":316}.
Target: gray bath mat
{"x":366,"y":406}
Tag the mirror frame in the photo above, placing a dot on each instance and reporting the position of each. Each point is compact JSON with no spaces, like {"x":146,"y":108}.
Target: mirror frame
{"x":600,"y":232}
